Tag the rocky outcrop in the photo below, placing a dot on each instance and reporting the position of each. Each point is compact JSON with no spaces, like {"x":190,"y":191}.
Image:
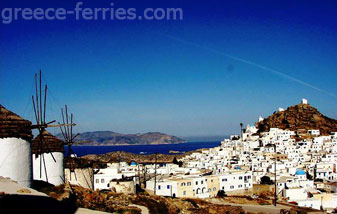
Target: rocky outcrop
{"x":302,"y":116}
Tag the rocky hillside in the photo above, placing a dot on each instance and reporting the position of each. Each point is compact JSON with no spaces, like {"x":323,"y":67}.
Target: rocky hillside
{"x":106,"y":138}
{"x":129,"y":157}
{"x":125,"y":204}
{"x":302,"y":116}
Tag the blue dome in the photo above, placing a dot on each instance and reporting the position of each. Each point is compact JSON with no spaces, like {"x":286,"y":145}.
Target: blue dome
{"x":300,"y":172}
{"x":237,"y":167}
{"x":133,"y":164}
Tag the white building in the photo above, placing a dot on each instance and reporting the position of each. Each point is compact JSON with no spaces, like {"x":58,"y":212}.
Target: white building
{"x":200,"y":187}
{"x":295,"y":194}
{"x":164,"y":187}
{"x":314,"y":132}
{"x":114,"y":171}
{"x":234,"y":181}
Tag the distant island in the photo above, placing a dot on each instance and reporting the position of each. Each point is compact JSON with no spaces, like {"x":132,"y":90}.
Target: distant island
{"x":109,"y":138}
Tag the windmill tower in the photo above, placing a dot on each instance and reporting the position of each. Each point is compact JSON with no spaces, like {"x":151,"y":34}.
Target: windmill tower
{"x":67,"y":133}
{"x":48,"y":151}
{"x":15,"y":149}
{"x":51,"y":153}
{"x":76,"y":173}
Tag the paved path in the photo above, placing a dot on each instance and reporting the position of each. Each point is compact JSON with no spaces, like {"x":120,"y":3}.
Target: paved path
{"x":145,"y":210}
{"x":253,"y":208}
{"x":87,"y":211}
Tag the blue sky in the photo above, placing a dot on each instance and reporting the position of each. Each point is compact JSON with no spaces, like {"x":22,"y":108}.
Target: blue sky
{"x":226,"y":62}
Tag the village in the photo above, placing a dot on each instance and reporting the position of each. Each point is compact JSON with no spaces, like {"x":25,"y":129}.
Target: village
{"x":304,"y":171}
{"x":291,"y":167}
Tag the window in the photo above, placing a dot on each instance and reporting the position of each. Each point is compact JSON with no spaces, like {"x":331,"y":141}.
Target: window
{"x":214,"y":189}
{"x":196,"y":183}
{"x":202,"y":182}
{"x":102,"y":180}
{"x":184,"y":193}
{"x":232,"y":187}
{"x":209,"y":190}
{"x":240,"y":178}
{"x":159,"y":187}
{"x":212,"y":180}
{"x":189,"y":183}
{"x":168,"y":186}
{"x":183,"y":184}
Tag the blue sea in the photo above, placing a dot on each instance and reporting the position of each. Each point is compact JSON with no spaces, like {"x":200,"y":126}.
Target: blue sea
{"x":144,"y":149}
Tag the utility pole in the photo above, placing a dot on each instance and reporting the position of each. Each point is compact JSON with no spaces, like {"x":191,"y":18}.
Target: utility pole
{"x":155,"y":174}
{"x":144,"y":175}
{"x":275,"y":192}
{"x":138,"y":174}
{"x":241,"y":124}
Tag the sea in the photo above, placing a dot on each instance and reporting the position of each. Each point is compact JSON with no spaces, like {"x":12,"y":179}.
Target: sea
{"x":144,"y":149}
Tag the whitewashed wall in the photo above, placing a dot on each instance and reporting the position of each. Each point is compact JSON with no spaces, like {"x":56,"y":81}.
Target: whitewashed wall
{"x":55,"y":170}
{"x":16,"y":160}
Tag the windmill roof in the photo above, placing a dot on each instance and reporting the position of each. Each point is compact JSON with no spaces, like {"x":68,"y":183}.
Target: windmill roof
{"x":48,"y":143}
{"x":12,"y":125}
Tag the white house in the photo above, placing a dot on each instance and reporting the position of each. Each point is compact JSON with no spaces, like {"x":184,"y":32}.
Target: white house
{"x":310,"y":202}
{"x":164,"y":187}
{"x":233,"y":181}
{"x":200,"y":186}
{"x":295,"y":194}
{"x":102,"y":177}
{"x":314,"y":132}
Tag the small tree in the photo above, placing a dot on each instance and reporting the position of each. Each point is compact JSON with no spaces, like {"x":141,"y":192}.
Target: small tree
{"x":221,"y":194}
{"x":266,"y":180}
{"x":175,"y":161}
{"x":309,"y":177}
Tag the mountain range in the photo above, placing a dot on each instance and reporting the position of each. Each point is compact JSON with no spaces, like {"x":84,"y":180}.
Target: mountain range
{"x":108,"y":138}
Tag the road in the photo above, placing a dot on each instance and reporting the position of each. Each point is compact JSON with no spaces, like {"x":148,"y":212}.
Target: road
{"x":252,"y":207}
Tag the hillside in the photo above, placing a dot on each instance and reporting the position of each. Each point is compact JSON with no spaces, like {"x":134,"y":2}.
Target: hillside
{"x":138,"y":158}
{"x":105,"y":138}
{"x":301,"y":116}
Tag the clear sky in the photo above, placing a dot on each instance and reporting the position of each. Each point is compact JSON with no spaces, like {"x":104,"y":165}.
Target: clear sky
{"x":226,"y":62}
